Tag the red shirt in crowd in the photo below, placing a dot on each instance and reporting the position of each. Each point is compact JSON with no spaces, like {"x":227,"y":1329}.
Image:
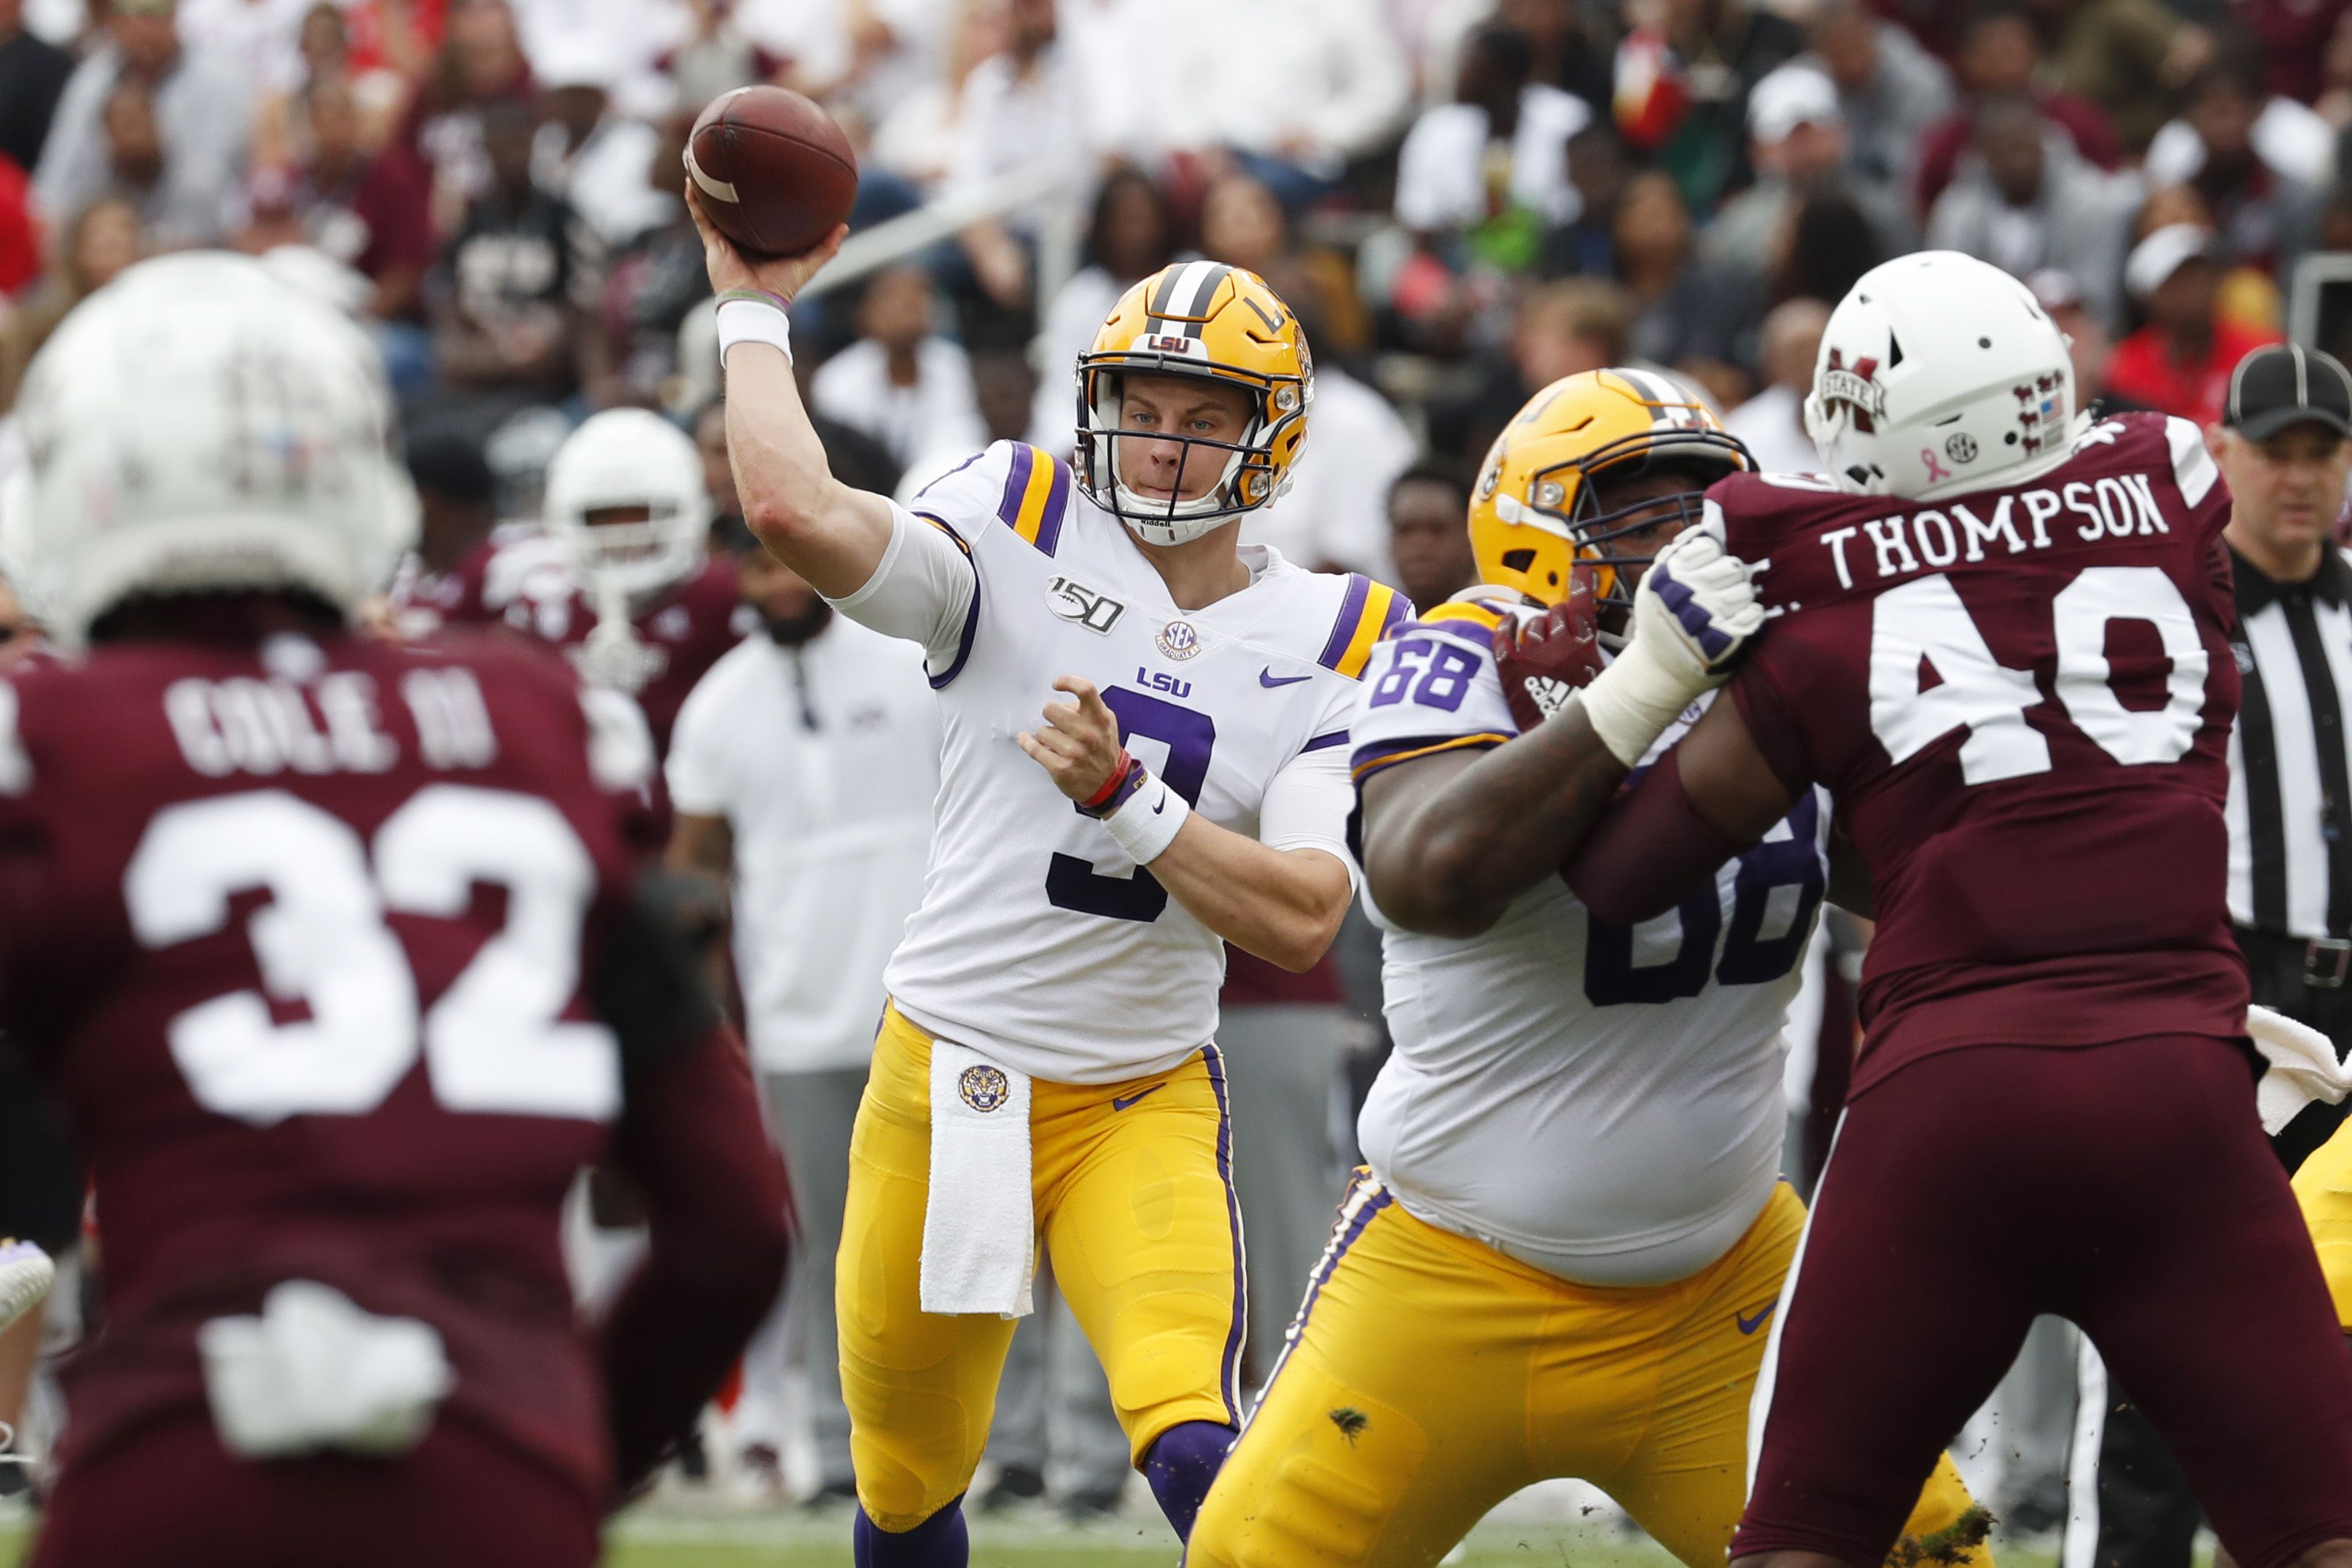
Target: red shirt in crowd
{"x":20,"y":241}
{"x":2144,"y":370}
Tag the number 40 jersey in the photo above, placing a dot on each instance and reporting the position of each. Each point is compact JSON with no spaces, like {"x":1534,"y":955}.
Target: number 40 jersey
{"x":2020,"y":698}
{"x":1601,"y":1102}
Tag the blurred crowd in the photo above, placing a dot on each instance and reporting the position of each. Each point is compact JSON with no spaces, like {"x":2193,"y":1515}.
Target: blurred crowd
{"x":1464,"y":199}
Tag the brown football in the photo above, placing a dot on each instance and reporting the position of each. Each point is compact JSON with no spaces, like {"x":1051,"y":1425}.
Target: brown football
{"x":775,"y":172}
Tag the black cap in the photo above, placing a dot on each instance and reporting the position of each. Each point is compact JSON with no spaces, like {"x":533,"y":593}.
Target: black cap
{"x":449,"y":464}
{"x":2286,"y":384}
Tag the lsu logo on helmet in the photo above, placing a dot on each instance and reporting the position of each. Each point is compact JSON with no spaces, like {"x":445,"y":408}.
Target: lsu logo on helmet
{"x":1215,"y":323}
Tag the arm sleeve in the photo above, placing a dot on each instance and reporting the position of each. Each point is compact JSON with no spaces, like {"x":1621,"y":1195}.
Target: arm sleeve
{"x":1308,"y":802}
{"x":926,"y":590}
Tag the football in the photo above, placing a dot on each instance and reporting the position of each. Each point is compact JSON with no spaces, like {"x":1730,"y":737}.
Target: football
{"x":775,"y":172}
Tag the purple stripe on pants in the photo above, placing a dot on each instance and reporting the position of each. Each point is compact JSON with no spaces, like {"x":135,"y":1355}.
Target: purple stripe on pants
{"x":1229,"y":1372}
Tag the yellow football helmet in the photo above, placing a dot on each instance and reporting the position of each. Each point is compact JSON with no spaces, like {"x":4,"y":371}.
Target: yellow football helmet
{"x":1220,"y":323}
{"x":1536,"y":517}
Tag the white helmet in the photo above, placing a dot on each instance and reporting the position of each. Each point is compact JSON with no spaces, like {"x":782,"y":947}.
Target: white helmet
{"x":197,"y":426}
{"x":630,"y":457}
{"x":1939,"y":374}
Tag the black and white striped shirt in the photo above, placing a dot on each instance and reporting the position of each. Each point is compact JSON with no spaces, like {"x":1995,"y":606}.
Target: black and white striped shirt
{"x":2290,"y":809}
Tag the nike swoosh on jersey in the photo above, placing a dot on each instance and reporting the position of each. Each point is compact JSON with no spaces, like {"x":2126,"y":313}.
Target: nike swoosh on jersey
{"x":1269,"y":679}
{"x":1120,"y":1104}
{"x":1750,"y":1326}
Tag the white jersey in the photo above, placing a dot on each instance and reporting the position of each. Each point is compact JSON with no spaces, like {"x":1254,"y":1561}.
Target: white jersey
{"x":1038,"y":942}
{"x":1601,"y":1102}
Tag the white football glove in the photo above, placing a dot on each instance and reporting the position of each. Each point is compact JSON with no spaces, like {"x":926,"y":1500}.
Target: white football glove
{"x":1693,"y":615}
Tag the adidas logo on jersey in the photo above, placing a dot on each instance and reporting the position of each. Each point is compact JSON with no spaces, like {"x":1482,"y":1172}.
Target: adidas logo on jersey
{"x":1549,"y":694}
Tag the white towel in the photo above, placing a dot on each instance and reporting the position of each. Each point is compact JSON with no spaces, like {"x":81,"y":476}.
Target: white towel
{"x":2303,"y":1067}
{"x":980,"y":1222}
{"x":315,"y":1371}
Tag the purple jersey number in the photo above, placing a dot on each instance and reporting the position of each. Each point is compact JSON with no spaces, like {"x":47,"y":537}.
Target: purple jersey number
{"x":1612,"y":977}
{"x":1073,"y":883}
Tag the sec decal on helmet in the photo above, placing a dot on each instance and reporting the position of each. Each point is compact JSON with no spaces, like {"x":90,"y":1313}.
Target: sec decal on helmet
{"x":1213,"y":322}
{"x":1939,"y":374}
{"x":1537,"y":516}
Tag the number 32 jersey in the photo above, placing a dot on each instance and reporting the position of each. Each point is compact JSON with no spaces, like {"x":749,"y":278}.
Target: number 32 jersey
{"x":1601,"y":1102}
{"x":2021,"y":699}
{"x":300,"y":937}
{"x":1038,"y":942}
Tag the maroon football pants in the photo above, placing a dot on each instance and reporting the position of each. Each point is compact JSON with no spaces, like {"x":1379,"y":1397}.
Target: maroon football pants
{"x":2124,"y":1187}
{"x":175,"y":1496}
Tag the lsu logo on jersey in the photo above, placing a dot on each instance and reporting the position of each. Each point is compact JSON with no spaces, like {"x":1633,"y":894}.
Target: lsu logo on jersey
{"x":983,"y":1088}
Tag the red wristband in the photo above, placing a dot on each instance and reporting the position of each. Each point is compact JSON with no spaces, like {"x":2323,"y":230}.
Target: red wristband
{"x":1110,"y":791}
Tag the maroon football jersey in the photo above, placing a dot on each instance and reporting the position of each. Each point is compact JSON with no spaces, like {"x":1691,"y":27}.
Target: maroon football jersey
{"x":2021,"y":699}
{"x":527,"y":580}
{"x":297,"y":933}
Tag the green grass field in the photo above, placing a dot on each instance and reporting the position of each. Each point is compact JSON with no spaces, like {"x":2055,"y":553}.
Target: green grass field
{"x":666,"y":1538}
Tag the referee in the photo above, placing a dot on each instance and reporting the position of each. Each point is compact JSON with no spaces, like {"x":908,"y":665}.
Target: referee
{"x":2284,"y":445}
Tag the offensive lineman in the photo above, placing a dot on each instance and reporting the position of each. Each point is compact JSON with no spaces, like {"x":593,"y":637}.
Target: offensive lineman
{"x":329,"y":947}
{"x":1571,"y":1230}
{"x":1062,"y":968}
{"x":2001,"y":643}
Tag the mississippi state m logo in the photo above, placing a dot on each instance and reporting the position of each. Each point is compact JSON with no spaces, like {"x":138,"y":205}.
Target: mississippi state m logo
{"x":1858,"y":386}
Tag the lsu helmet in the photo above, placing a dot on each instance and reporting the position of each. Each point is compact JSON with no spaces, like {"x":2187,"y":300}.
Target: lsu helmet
{"x":1939,"y":374}
{"x":628,"y":457}
{"x":1217,"y":323}
{"x":1536,"y":518}
{"x":196,"y":426}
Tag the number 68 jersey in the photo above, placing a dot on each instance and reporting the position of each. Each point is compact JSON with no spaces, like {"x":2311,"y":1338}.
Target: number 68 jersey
{"x":1601,"y":1102}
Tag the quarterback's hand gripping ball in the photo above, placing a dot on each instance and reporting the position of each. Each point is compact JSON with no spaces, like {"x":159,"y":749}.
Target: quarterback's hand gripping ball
{"x":1698,"y":606}
{"x":1543,"y":659}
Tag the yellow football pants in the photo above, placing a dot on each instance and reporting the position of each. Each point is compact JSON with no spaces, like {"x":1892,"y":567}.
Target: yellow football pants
{"x":2323,"y":1186}
{"x":1135,"y":1209}
{"x":1427,"y":1377}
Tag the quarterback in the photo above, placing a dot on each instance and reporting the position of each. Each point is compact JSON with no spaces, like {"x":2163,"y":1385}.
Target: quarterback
{"x":1571,"y":1230}
{"x":1145,"y":755}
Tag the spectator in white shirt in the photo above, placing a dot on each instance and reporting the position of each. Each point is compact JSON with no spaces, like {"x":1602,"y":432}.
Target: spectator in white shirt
{"x":1317,"y":82}
{"x":1336,"y":517}
{"x":1501,"y":144}
{"x":203,"y":112}
{"x":803,"y":769}
{"x":596,"y":158}
{"x":1132,"y":235}
{"x":900,"y":384}
{"x":1772,"y":423}
{"x":1021,"y":111}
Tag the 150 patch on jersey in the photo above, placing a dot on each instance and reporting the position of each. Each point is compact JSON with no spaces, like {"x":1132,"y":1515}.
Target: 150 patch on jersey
{"x":1074,"y":600}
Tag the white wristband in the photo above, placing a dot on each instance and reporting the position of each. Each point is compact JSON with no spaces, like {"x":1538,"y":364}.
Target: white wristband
{"x":1148,"y":824}
{"x":743,"y":320}
{"x":1631,"y":702}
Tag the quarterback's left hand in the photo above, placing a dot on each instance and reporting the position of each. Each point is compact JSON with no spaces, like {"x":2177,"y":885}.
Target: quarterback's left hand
{"x":1079,"y":743}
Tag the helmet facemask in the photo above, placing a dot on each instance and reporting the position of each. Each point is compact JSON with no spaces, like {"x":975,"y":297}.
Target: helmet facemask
{"x":640,"y":558}
{"x":1248,"y":477}
{"x":1605,"y":540}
